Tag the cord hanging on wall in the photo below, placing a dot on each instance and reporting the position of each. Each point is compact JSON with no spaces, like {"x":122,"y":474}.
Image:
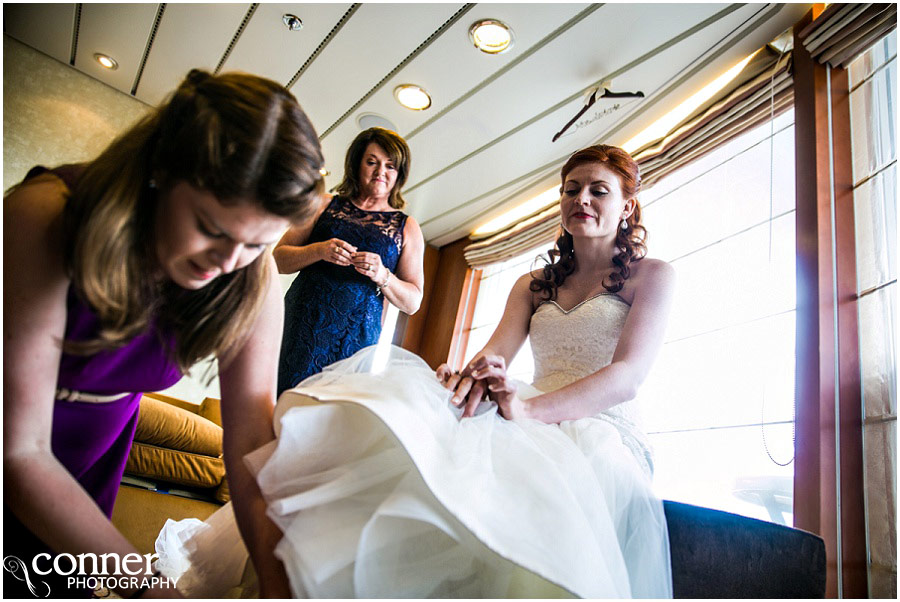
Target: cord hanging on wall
{"x":590,"y":98}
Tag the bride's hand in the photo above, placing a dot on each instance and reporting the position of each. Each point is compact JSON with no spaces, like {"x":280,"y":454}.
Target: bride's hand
{"x":465,"y":388}
{"x":473,"y":372}
{"x":503,"y":390}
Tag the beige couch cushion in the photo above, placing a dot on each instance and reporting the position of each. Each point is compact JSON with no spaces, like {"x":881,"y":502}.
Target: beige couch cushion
{"x":211,"y":410}
{"x":164,"y":425}
{"x":223,"y":493}
{"x":174,"y":466}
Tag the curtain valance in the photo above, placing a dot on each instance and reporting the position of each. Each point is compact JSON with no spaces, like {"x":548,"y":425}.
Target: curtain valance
{"x":844,"y":31}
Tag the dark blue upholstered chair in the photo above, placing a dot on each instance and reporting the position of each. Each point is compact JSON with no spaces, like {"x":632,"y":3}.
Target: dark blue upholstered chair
{"x":721,"y":555}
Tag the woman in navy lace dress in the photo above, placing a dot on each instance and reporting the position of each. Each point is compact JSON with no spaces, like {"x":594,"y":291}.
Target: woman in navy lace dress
{"x":361,"y":251}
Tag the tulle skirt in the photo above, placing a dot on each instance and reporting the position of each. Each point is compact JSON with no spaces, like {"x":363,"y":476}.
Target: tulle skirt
{"x":382,"y":491}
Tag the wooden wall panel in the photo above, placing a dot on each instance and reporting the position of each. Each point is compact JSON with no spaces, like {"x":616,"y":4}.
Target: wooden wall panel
{"x":852,"y":500}
{"x":828,"y":473}
{"x":408,"y":333}
{"x":429,"y":333}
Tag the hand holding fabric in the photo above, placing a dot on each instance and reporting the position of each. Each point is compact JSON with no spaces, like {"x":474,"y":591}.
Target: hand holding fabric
{"x":502,"y":389}
{"x":466,"y":390}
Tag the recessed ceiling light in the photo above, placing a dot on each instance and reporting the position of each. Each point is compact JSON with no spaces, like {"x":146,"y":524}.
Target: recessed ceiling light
{"x":412,"y":97}
{"x":491,"y":36}
{"x":106,"y":61}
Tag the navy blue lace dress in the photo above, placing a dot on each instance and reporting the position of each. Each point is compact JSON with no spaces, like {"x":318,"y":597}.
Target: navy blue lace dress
{"x":333,"y":311}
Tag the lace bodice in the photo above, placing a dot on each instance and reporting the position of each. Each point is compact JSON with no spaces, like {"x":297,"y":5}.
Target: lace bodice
{"x":333,"y":311}
{"x":569,"y":345}
{"x":362,"y":228}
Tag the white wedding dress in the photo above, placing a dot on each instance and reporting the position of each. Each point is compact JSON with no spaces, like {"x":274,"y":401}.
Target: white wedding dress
{"x":382,"y":491}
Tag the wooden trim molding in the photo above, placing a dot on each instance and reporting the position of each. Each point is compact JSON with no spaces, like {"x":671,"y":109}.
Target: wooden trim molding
{"x":852,"y":459}
{"x":430,"y":332}
{"x":464,"y":314}
{"x":410,"y":329}
{"x":828,"y":485}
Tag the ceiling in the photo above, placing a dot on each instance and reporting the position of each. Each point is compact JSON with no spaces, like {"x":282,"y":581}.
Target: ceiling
{"x":484,"y":145}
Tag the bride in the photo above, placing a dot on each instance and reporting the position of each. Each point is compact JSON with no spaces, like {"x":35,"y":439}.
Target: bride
{"x":384,"y":489}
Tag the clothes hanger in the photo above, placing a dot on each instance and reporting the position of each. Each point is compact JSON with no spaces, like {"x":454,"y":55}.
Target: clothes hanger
{"x":591,"y":99}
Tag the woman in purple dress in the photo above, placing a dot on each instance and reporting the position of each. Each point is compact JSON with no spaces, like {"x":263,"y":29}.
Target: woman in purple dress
{"x":118,"y":276}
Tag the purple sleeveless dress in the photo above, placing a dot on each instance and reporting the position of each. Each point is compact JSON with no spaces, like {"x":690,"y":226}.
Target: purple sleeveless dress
{"x":92,"y":440}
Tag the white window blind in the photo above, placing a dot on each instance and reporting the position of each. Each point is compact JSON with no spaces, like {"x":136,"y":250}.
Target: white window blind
{"x":873,"y":121}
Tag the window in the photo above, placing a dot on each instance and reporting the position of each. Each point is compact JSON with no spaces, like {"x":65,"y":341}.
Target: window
{"x":493,"y":291}
{"x":719,"y":403}
{"x":873,"y":106}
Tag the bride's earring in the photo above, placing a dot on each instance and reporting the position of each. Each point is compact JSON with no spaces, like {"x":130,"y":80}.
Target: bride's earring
{"x":624,"y":224}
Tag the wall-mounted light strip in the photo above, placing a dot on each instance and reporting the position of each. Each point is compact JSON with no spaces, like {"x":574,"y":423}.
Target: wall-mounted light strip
{"x":662,"y":126}
{"x":530,"y":206}
{"x":331,"y":34}
{"x":437,"y":33}
{"x":150,"y":39}
{"x":237,"y":36}
{"x":76,"y":27}
{"x":509,"y":66}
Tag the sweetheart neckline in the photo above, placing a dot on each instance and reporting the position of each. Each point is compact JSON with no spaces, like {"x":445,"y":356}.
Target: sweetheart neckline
{"x":568,"y":311}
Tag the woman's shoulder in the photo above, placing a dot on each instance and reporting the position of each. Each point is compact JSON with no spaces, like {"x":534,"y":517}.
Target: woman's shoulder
{"x":651,"y":265}
{"x":32,"y":233}
{"x":411,"y":226}
{"x":522,"y":288}
{"x":652,"y":273}
{"x":35,"y":205}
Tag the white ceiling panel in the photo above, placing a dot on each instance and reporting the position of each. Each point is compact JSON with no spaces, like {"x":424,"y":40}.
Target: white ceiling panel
{"x":449,"y":68}
{"x":591,"y":50}
{"x":189,"y":36}
{"x":120,"y":31}
{"x":369,"y":45}
{"x":502,"y":162}
{"x":268,"y":48}
{"x":433,"y":213}
{"x":485,"y":143}
{"x":46,"y":27}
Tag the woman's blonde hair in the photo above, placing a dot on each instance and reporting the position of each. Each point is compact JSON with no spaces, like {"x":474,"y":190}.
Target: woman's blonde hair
{"x":396,"y":149}
{"x":237,"y":136}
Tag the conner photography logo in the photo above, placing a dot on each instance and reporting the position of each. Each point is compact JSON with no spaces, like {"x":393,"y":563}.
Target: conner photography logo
{"x":88,"y":571}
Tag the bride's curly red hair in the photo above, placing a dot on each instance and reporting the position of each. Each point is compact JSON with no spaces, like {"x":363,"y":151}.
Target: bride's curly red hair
{"x":631,"y":242}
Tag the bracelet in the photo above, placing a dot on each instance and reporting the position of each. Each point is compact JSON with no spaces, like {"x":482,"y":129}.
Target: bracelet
{"x":140,"y":591}
{"x":386,"y":280}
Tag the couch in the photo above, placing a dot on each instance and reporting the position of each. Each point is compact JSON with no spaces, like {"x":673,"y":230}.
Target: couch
{"x":175,"y":470}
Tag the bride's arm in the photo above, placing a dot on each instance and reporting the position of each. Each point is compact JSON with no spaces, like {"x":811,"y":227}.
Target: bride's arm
{"x":639,"y":343}
{"x":499,"y":351}
{"x":248,"y":386}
